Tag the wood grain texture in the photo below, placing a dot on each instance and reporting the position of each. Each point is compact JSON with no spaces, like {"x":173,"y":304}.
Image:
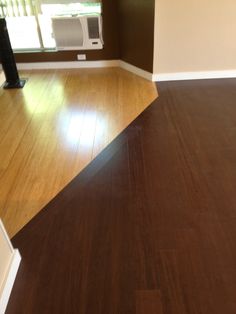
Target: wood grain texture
{"x":51,"y":129}
{"x":148,"y":301}
{"x":155,"y":211}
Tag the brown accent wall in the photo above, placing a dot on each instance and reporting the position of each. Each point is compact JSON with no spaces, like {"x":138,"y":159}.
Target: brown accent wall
{"x":136,"y":32}
{"x":109,"y":52}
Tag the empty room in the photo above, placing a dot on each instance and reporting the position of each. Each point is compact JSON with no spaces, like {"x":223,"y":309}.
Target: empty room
{"x":117,"y":157}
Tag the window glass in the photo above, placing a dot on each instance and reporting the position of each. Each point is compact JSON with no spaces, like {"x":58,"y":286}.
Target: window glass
{"x":35,"y":32}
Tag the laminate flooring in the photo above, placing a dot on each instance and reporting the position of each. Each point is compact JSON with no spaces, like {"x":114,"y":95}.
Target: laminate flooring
{"x":149,"y":226}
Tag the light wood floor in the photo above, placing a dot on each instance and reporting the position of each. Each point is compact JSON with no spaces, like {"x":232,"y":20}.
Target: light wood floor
{"x":51,"y":129}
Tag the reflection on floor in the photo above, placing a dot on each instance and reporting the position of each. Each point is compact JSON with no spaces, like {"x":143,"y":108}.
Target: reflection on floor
{"x":51,"y":129}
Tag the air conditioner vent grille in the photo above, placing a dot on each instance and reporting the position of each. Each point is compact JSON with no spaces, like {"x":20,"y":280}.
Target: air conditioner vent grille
{"x":93,"y":27}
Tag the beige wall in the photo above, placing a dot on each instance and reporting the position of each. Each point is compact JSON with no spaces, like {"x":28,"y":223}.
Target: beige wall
{"x":2,"y":78}
{"x":195,"y":35}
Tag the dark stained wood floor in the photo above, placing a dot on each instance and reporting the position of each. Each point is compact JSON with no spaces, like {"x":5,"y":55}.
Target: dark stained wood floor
{"x":150,"y":225}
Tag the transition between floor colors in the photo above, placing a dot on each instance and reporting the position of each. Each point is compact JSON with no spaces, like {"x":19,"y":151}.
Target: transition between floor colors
{"x":150,"y":225}
{"x":52,"y":128}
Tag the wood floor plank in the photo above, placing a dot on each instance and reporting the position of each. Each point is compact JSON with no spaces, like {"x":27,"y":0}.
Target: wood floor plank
{"x":148,"y":302}
{"x":149,"y":225}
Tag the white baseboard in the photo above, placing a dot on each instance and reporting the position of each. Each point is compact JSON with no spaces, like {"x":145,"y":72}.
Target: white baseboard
{"x":85,"y":64}
{"x":11,"y":275}
{"x":136,"y":70}
{"x":68,"y":65}
{"x":179,"y":76}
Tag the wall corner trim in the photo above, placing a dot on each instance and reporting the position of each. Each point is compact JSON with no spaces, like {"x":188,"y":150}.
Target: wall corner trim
{"x":181,"y":76}
{"x":11,"y":270}
{"x":131,"y":68}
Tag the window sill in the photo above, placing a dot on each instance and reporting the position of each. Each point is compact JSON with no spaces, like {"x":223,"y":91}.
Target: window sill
{"x":19,"y":51}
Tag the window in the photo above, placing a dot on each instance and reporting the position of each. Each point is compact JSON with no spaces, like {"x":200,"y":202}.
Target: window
{"x":29,"y":22}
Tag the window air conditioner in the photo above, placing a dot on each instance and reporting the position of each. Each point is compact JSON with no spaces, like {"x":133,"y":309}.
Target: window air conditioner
{"x":77,"y":32}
